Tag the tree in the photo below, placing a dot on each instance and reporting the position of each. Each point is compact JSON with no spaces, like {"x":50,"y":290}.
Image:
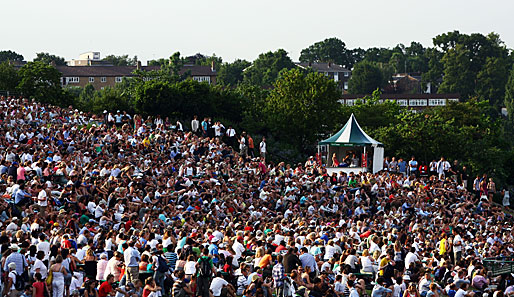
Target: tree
{"x":123,"y":60}
{"x":8,"y":77}
{"x":434,"y":73}
{"x":48,"y":59}
{"x":509,"y":95}
{"x":329,"y":50}
{"x":458,"y":77}
{"x":10,"y":56}
{"x":302,"y":107}
{"x":491,"y":81}
{"x":366,"y":77}
{"x":40,"y":81}
{"x":232,"y":73}
{"x":265,"y":69}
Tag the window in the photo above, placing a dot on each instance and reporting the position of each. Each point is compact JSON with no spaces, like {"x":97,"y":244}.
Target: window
{"x":118,"y":79}
{"x":91,"y":79}
{"x":202,"y":79}
{"x":453,"y":100}
{"x":350,"y":102}
{"x":402,"y":102}
{"x":346,"y":85}
{"x":417,"y":102}
{"x":102,"y":88}
{"x":336,"y":76}
{"x":73,"y":80}
{"x":436,"y":102}
{"x":346,"y":74}
{"x":103,"y":79}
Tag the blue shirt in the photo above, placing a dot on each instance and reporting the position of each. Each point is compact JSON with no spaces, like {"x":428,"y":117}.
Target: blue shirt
{"x":308,"y":260}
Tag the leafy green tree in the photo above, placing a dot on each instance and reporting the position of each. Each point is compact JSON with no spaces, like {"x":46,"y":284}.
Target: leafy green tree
{"x":366,"y":77}
{"x":48,"y":59}
{"x":8,"y":77}
{"x":302,"y":107}
{"x":122,"y":60}
{"x":398,"y":62}
{"x":491,"y":81}
{"x":10,"y":56}
{"x":380,"y":55}
{"x":329,"y":50}
{"x":434,"y":73}
{"x":232,"y":73}
{"x":207,"y":60}
{"x":509,"y":95}
{"x":158,"y":62}
{"x":41,"y":81}
{"x":265,"y":70}
{"x":458,"y":77}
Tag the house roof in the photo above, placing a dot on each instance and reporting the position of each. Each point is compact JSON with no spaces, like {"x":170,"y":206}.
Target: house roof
{"x":101,"y":70}
{"x":328,"y":67}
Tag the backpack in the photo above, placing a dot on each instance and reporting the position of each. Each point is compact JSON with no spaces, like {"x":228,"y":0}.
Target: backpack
{"x":19,"y":285}
{"x":163,"y":266}
{"x":205,"y":267}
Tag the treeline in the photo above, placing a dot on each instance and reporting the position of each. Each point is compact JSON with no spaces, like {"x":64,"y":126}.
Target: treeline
{"x":295,"y":108}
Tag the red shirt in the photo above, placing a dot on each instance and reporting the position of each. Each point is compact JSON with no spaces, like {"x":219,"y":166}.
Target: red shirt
{"x":39,"y":287}
{"x":280,"y":248}
{"x":104,"y":289}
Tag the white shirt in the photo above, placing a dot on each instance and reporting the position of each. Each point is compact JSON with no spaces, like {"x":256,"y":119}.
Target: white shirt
{"x":42,"y":198}
{"x":239,"y":249}
{"x":456,"y":239}
{"x":460,"y":293}
{"x":262,"y":147}
{"x":45,"y":247}
{"x":410,"y":258}
{"x":216,"y":285}
{"x":42,"y":268}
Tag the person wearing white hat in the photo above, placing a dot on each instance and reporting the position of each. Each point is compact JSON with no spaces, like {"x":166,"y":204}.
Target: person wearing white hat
{"x":16,"y":258}
{"x":10,"y":289}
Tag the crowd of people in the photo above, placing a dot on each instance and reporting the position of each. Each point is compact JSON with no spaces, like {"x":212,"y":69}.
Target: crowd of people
{"x":121,"y":205}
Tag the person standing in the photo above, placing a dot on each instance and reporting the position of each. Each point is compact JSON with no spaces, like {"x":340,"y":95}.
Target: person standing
{"x":506,"y":198}
{"x":278,"y":273}
{"x":231,"y":136}
{"x":58,"y":273}
{"x":413,"y":166}
{"x":262,"y":148}
{"x":251,"y":146}
{"x":195,"y":125}
{"x":205,"y":270}
{"x":132,"y":258}
{"x":457,"y":246}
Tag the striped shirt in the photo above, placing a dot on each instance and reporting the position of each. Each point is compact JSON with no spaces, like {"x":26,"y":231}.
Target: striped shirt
{"x":172,"y":258}
{"x":17,"y":258}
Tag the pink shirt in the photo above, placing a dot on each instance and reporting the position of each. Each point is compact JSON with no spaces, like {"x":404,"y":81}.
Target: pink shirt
{"x":21,"y":173}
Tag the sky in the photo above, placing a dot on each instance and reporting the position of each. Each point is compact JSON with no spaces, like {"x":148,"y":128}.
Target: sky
{"x":233,"y":29}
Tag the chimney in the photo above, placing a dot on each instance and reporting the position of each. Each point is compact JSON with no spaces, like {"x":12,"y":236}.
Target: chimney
{"x":212,"y":66}
{"x":329,"y":64}
{"x":310,"y":64}
{"x":138,"y":65}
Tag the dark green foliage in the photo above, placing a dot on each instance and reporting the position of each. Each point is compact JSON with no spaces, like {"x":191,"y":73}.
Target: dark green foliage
{"x":366,"y":77}
{"x":10,"y":56}
{"x":265,"y":69}
{"x":49,"y":59}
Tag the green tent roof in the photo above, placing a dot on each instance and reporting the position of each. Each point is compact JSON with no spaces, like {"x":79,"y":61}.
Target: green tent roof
{"x":350,"y":134}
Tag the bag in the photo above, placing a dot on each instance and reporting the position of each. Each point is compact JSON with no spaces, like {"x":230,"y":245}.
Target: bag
{"x":19,"y":285}
{"x":205,"y":267}
{"x":163,"y":266}
{"x":49,"y":278}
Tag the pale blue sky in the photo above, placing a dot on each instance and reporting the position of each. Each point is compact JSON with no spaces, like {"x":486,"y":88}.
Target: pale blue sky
{"x":237,"y":28}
